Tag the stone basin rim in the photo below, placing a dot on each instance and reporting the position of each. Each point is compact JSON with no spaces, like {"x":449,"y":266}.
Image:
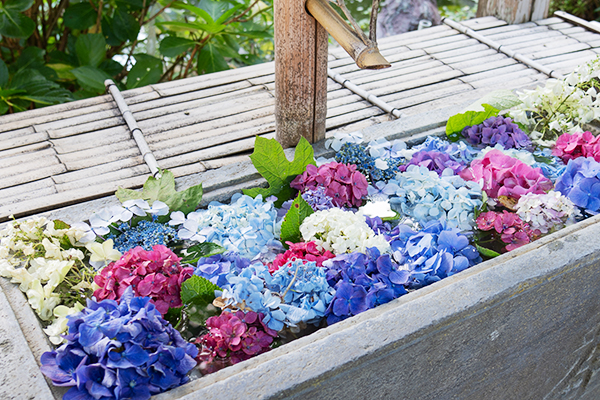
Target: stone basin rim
{"x":375,"y":317}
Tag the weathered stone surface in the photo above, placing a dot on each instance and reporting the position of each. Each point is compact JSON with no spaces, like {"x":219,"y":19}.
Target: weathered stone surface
{"x":20,"y":377}
{"x":523,"y":326}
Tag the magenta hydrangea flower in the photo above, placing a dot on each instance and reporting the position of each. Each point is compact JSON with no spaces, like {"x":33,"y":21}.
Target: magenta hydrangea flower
{"x":342,"y":182}
{"x":502,"y":175}
{"x":570,"y":146}
{"x":232,"y":338}
{"x":156,"y":274}
{"x":507,"y":227}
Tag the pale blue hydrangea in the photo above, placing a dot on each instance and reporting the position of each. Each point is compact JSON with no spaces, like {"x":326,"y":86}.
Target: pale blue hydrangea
{"x":426,"y":196}
{"x":244,"y":226}
{"x":297,"y":292}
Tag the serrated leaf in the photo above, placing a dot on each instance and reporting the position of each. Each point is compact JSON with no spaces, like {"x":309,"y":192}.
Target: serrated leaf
{"x":125,"y":26}
{"x":163,"y":189}
{"x":146,"y":71}
{"x":458,"y":122}
{"x":214,"y":8}
{"x":17,"y":5}
{"x":91,"y":78}
{"x":269,"y":160}
{"x":501,"y":99}
{"x":211,"y":60}
{"x":198,"y":291}
{"x":13,"y":24}
{"x":172,"y":46}
{"x":486,"y":252}
{"x":192,"y":254}
{"x":90,"y":49}
{"x":80,"y":16}
{"x":290,"y":227}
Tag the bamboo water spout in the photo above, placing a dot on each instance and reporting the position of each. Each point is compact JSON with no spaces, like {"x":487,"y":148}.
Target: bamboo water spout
{"x":365,"y":53}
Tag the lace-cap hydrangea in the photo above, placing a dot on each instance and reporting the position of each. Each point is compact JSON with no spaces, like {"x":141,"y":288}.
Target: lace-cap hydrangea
{"x":119,"y":350}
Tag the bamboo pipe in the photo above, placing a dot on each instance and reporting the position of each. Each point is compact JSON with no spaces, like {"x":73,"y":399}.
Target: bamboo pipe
{"x":365,"y":56}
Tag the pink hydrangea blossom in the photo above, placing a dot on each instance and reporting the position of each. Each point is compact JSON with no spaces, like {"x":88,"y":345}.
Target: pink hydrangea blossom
{"x":309,"y":251}
{"x":232,"y":338}
{"x":502,"y":175}
{"x":156,"y":274}
{"x":342,"y":182}
{"x":507,"y":227}
{"x":570,"y":146}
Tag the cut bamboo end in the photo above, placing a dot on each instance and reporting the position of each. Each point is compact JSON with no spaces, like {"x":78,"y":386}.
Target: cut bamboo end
{"x":366,"y":56}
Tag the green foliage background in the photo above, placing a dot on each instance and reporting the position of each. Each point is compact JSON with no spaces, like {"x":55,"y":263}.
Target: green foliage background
{"x":53,"y":51}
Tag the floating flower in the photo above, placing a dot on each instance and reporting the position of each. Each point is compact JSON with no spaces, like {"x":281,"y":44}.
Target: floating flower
{"x":156,"y":274}
{"x":119,"y":350}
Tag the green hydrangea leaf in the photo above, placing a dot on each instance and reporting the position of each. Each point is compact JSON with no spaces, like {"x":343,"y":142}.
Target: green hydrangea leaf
{"x":270,"y":161}
{"x":163,"y":189}
{"x":198,"y":291}
{"x":458,"y":122}
{"x":486,"y":252}
{"x":290,"y":227}
{"x":192,"y":254}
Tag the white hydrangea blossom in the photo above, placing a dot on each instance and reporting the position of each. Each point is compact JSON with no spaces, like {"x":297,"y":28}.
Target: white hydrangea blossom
{"x":560,"y":106}
{"x":341,"y":232}
{"x":31,"y":256}
{"x":547,"y":212}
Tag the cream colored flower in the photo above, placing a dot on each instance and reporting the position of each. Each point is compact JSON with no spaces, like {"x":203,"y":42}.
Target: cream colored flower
{"x":103,"y":253}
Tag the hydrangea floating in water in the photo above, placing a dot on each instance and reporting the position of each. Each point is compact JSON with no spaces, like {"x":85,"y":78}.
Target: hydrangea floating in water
{"x":499,"y":130}
{"x":507,"y":227}
{"x":363,"y":281}
{"x":434,"y":161}
{"x":145,"y":234}
{"x":547,"y":212}
{"x":581,"y":183}
{"x":244,"y":226}
{"x":232,"y":338}
{"x":216,"y":268}
{"x":433,"y":253}
{"x":297,"y":292}
{"x":343,"y":183}
{"x":373,"y":168}
{"x":571,"y":146}
{"x":119,"y":351}
{"x":503,"y":175}
{"x":425,"y":196}
{"x":341,"y":231}
{"x":154,"y":273}
{"x":309,"y":251}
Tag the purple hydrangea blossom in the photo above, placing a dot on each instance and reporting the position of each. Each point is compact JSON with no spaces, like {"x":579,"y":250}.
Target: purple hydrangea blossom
{"x":497,"y":130}
{"x":434,"y":161}
{"x":215,"y":268}
{"x":119,"y":350}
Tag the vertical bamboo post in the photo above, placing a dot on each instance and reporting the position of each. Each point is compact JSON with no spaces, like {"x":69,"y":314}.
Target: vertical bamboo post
{"x":300,"y":74}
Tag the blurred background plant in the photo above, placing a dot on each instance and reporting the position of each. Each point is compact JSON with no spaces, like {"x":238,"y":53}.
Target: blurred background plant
{"x":53,"y":51}
{"x":586,"y":9}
